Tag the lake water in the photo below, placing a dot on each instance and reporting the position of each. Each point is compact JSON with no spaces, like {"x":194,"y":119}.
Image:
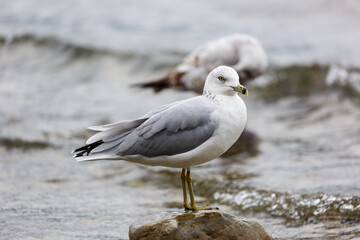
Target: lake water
{"x":66,"y":66}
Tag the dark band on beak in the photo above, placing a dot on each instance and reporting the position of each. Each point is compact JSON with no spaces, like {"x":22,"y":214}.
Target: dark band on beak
{"x":241,"y":89}
{"x":244,"y":90}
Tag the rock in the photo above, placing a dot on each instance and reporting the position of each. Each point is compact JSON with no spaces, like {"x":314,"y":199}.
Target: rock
{"x":211,"y":224}
{"x":247,"y":142}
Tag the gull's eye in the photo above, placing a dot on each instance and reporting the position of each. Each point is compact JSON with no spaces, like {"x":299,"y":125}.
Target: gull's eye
{"x":221,"y":78}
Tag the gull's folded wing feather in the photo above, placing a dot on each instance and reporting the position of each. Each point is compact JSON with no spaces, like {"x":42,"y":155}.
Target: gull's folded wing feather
{"x":179,"y":129}
{"x":167,"y":130}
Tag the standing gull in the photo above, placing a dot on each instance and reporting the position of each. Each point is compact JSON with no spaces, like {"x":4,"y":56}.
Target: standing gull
{"x":179,"y":135}
{"x":242,"y":52}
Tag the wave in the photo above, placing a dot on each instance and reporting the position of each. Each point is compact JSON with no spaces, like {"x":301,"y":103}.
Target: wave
{"x":296,"y":208}
{"x":280,"y":81}
{"x":78,"y":51}
{"x":52,"y":41}
{"x":304,"y":80}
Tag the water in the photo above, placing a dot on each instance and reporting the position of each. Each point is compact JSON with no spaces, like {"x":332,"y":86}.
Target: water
{"x":64,"y":67}
{"x":306,"y":31}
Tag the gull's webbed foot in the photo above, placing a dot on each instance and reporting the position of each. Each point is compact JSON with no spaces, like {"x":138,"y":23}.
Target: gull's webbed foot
{"x":195,"y":208}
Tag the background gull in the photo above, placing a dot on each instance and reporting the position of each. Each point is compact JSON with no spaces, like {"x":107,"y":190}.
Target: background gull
{"x":242,"y":52}
{"x":181,"y":134}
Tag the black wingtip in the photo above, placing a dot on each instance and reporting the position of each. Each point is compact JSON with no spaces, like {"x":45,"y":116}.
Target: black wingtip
{"x":79,"y":152}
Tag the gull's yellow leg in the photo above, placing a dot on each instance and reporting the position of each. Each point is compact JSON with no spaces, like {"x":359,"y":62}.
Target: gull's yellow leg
{"x":193,"y":206}
{"x":183,"y":179}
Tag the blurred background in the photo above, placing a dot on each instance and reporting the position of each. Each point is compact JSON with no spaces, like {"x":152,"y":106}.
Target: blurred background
{"x":66,"y":65}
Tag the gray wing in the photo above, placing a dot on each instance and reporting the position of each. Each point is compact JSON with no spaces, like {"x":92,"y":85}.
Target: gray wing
{"x":167,"y":130}
{"x":176,"y":130}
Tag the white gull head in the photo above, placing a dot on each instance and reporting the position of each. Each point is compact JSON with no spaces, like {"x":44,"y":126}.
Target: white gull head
{"x":223,"y":80}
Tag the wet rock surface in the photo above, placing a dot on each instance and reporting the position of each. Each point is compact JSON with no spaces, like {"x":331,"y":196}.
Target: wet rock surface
{"x":212,"y":224}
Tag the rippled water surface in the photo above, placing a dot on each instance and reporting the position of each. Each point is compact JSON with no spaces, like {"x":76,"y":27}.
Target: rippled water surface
{"x":65,"y":67}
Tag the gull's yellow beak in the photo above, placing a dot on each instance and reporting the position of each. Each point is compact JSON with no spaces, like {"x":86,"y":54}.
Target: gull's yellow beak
{"x":241,"y":89}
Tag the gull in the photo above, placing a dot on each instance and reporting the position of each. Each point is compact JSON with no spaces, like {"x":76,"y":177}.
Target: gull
{"x":182,"y":134}
{"x":242,"y":52}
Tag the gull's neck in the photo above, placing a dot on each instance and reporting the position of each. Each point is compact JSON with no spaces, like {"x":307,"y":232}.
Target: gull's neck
{"x":219,"y":97}
{"x":209,"y":94}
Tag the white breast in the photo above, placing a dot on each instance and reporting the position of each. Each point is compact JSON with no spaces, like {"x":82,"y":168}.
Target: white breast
{"x":231,"y":126}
